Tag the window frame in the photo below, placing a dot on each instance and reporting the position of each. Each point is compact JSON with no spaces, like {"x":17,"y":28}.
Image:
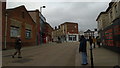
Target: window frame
{"x":14,"y":31}
{"x":28,"y":34}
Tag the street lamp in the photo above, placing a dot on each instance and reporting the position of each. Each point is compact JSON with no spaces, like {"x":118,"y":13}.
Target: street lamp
{"x":41,"y":8}
{"x":41,"y":28}
{"x":91,"y":52}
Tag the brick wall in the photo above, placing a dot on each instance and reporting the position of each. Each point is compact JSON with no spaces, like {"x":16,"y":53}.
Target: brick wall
{"x":72,"y":28}
{"x":19,"y":17}
{"x":36,"y":17}
{"x":48,"y":32}
{"x":3,"y":10}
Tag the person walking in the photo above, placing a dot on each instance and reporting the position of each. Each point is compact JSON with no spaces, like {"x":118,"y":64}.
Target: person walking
{"x":18,"y":45}
{"x":94,"y":41}
{"x":90,"y":41}
{"x":82,"y":49}
{"x":98,"y":41}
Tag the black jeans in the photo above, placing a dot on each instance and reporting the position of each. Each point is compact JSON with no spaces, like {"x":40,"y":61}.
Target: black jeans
{"x":18,"y":51}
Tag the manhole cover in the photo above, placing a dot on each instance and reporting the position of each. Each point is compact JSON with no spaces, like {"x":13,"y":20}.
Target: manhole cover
{"x":22,"y":60}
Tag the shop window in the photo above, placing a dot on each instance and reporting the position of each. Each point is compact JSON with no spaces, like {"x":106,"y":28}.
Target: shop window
{"x":14,"y":31}
{"x":70,"y":38}
{"x":28,"y":33}
{"x":74,"y":38}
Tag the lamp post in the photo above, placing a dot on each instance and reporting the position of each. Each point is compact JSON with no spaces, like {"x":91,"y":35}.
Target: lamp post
{"x":91,"y":51}
{"x":41,"y":28}
{"x":41,"y":8}
{"x":91,"y":56}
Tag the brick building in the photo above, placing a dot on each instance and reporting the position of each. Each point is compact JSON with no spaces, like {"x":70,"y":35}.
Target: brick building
{"x":48,"y":32}
{"x":42,"y":29}
{"x":0,"y":24}
{"x":3,"y":20}
{"x":19,"y":22}
{"x":67,"y":31}
{"x":35,"y":14}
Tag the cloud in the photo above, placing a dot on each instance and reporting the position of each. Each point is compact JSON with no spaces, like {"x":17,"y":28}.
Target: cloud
{"x":84,"y":13}
{"x":56,"y":13}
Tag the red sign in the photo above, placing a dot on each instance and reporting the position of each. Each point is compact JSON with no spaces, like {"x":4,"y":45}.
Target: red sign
{"x":109,"y":37}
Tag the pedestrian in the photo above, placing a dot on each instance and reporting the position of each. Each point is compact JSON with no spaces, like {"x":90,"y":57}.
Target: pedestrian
{"x":98,"y":41}
{"x":18,"y":45}
{"x":59,"y":40}
{"x":94,"y":41}
{"x":90,"y":41}
{"x":82,"y":49}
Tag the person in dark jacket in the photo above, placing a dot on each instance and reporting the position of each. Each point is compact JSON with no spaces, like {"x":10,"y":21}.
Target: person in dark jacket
{"x":94,"y":41}
{"x":90,"y":40}
{"x":18,"y":45}
{"x":98,"y":41}
{"x":82,"y":49}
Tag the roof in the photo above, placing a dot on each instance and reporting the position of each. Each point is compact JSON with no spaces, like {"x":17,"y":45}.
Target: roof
{"x":22,"y":6}
{"x":33,"y":14}
{"x":100,"y":15}
{"x":110,"y":5}
{"x":69,"y":23}
{"x":33,"y":10}
{"x":48,"y":25}
{"x":88,"y":31}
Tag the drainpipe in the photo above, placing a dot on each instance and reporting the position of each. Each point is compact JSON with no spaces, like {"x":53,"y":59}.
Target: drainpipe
{"x":5,"y":30}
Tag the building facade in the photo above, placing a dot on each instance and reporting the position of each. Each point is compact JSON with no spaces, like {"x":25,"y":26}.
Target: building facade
{"x":110,"y":34}
{"x":48,"y":33}
{"x":3,"y":22}
{"x":19,"y":22}
{"x":36,"y":17}
{"x":67,"y":32}
{"x":42,"y":29}
{"x":55,"y":34}
{"x":89,"y":33}
{"x":108,"y":17}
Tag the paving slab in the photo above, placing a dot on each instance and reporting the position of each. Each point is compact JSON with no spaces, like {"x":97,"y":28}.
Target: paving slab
{"x":59,"y":54}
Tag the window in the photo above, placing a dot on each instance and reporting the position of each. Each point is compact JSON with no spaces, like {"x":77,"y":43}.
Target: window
{"x":111,"y":15}
{"x":70,"y":38}
{"x":116,"y":8}
{"x":14,"y":31}
{"x":74,"y":38}
{"x":75,"y":27}
{"x":28,"y":33}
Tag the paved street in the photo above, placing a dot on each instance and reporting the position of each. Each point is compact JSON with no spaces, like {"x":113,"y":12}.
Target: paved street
{"x":101,"y":57}
{"x":62,"y":54}
{"x":45,"y":55}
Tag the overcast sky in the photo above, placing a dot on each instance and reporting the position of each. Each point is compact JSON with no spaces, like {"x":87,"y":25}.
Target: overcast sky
{"x":56,"y":13}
